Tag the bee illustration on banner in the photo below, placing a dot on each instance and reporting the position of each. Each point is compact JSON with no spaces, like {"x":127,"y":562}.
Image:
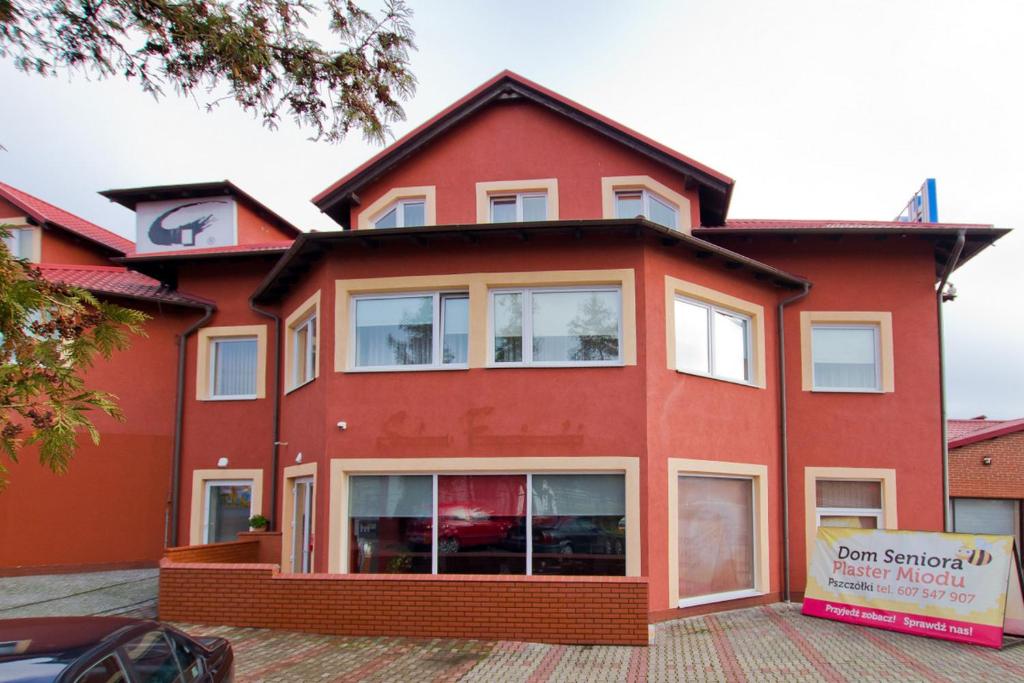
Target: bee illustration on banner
{"x":979,"y":556}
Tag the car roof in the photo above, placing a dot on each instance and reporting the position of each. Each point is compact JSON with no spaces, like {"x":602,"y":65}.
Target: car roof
{"x":63,"y":638}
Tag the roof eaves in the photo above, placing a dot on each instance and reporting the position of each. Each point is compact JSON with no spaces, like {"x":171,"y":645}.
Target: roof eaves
{"x":1002,"y":429}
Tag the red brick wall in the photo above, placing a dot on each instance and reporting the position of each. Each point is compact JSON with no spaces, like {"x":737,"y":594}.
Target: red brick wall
{"x":578,"y":610}
{"x":1004,"y":478}
{"x":232,"y":551}
{"x":269,"y":551}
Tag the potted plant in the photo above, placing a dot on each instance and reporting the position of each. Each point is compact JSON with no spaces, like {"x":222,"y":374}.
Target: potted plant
{"x":259,"y":523}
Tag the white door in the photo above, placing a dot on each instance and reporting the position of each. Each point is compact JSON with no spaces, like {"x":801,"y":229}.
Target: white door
{"x":302,"y":525}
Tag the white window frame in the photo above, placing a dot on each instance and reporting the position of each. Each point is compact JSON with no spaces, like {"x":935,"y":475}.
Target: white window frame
{"x":755,"y":540}
{"x":437,"y":323}
{"x":207,"y":500}
{"x":877,"y":513}
{"x":646,"y":196}
{"x":399,"y":207}
{"x":527,"y":294}
{"x":214,"y":341}
{"x":748,"y":341}
{"x":519,"y":196}
{"x":876,"y":330}
{"x":434,"y":551}
{"x":310,"y":323}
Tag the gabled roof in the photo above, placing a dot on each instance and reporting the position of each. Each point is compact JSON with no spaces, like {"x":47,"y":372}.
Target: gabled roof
{"x":956,"y":429}
{"x":130,"y":197}
{"x":121,"y":282}
{"x":1001,"y":428}
{"x":714,"y":188}
{"x":943,"y":235}
{"x":46,"y":214}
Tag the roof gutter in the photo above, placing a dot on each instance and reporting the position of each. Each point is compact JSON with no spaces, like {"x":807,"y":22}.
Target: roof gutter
{"x":171,"y":539}
{"x":277,"y":409}
{"x":951,"y":264}
{"x":784,"y":437}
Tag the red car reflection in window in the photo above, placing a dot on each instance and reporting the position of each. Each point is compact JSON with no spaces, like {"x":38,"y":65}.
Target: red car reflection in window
{"x":459,"y":527}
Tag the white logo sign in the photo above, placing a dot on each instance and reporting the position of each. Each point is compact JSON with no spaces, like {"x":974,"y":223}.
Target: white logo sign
{"x":183,"y":224}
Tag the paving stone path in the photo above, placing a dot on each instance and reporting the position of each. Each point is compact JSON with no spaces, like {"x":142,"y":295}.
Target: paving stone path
{"x":130,"y":592}
{"x":774,"y":643}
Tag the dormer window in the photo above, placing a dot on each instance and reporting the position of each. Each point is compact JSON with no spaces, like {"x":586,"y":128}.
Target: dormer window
{"x":519,"y":207}
{"x":633,"y":203}
{"x":406,"y":213}
{"x":22,"y":243}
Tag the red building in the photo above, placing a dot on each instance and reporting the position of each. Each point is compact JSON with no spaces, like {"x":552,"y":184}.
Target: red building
{"x":535,"y":359}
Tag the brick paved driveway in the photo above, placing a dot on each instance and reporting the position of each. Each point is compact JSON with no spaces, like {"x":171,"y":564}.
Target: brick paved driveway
{"x":771,"y":643}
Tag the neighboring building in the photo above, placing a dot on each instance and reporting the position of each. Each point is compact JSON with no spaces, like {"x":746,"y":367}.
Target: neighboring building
{"x":538,"y":348}
{"x":986,"y":475}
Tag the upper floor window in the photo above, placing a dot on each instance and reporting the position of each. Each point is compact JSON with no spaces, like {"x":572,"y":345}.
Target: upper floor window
{"x":524,"y":206}
{"x":304,"y":350}
{"x":233,"y":362}
{"x":428,"y":330}
{"x":406,"y":213}
{"x":846,"y":357}
{"x":21,"y":242}
{"x":633,"y":203}
{"x":712,"y":341}
{"x":547,"y":326}
{"x":849,"y":503}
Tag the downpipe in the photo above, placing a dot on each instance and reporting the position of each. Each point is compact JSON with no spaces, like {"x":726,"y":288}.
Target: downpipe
{"x":951,"y":263}
{"x":784,"y":438}
{"x":276,"y":444}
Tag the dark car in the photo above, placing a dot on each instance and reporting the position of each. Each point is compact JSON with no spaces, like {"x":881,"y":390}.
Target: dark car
{"x":108,"y":650}
{"x":566,"y":536}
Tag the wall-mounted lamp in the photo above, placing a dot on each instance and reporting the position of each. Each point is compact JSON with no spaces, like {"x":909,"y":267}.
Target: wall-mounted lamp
{"x":986,"y":460}
{"x":343,"y":425}
{"x":222,"y":462}
{"x":298,"y":458}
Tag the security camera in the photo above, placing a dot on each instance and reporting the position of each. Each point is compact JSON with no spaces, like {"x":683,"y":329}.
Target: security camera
{"x":343,"y":425}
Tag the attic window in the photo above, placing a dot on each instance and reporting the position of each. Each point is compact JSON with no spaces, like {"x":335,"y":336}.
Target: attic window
{"x":633,"y":203}
{"x":403,"y":214}
{"x":516,"y":208}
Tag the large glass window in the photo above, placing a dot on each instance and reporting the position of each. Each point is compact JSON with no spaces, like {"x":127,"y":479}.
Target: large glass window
{"x":233,"y":368}
{"x":716,"y":536}
{"x":526,"y":206}
{"x":228,"y":508}
{"x":846,"y":357}
{"x":849,"y":503}
{"x":403,"y":214}
{"x":391,"y":524}
{"x":557,"y":326}
{"x":712,"y":340}
{"x":304,"y":348}
{"x":482,"y":524}
{"x":633,"y":203}
{"x":410,"y":330}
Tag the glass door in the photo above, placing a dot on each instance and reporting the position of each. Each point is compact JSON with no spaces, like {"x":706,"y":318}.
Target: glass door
{"x":302,"y":525}
{"x":228,"y":508}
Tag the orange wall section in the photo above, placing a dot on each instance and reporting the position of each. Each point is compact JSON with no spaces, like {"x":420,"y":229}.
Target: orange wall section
{"x":60,"y":247}
{"x":520,"y":141}
{"x":110,"y":508}
{"x":253,"y":228}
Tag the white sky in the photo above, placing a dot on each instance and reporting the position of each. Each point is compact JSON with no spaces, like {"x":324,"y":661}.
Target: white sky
{"x":819,"y":109}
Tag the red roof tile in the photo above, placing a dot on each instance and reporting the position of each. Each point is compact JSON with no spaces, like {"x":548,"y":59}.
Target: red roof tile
{"x":234,"y":249}
{"x":991,"y":431}
{"x":956,"y":429}
{"x":118,"y":281}
{"x":44,"y":212}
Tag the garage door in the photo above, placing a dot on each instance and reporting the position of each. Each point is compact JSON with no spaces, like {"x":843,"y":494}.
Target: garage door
{"x":986,"y":516}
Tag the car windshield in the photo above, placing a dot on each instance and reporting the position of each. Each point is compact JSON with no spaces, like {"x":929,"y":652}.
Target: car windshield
{"x":31,"y":669}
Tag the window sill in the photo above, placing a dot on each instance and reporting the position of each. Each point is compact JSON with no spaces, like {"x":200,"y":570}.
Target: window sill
{"x":599,"y":364}
{"x":740,"y":382}
{"x":719,"y":597}
{"x":408,"y":368}
{"x":819,"y":390}
{"x":230,"y":398}
{"x":298,"y":386}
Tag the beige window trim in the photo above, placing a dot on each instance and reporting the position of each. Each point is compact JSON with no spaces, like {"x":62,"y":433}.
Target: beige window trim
{"x":675,"y":287}
{"x":310,"y":306}
{"x":610,"y":185}
{"x":21,"y":224}
{"x":478,"y":285}
{"x":428,"y":193}
{"x":484,"y":192}
{"x":342,"y":468}
{"x":205,"y":340}
{"x":883,"y":319}
{"x":288,"y":506}
{"x":887,"y":477}
{"x":759,"y":474}
{"x":199,"y":480}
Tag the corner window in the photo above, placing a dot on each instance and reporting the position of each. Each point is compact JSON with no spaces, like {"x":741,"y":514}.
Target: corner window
{"x":409,"y":331}
{"x":557,"y":326}
{"x":304,"y":351}
{"x":633,"y":203}
{"x":228,"y":506}
{"x":849,"y":503}
{"x":233,"y":368}
{"x":846,"y":357}
{"x":406,"y":213}
{"x":558,"y":524}
{"x":513,"y":208}
{"x":712,"y":341}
